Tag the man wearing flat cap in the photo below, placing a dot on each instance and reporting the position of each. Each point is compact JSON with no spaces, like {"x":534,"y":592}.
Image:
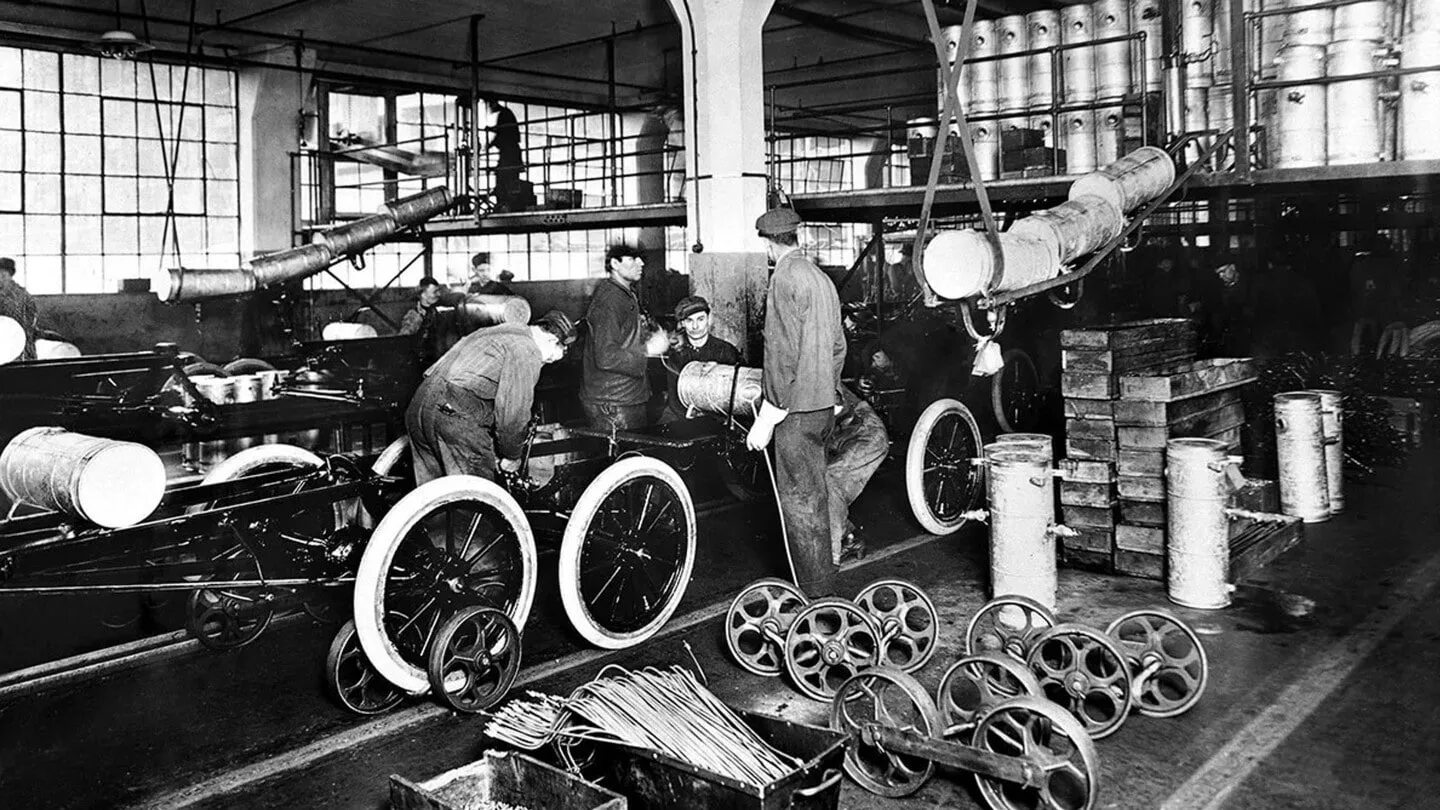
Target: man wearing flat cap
{"x":804,"y":353}
{"x":17,"y":303}
{"x":693,"y":344}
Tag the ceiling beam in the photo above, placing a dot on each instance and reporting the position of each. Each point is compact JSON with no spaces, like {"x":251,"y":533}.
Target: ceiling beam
{"x":267,"y":11}
{"x":833,"y":25}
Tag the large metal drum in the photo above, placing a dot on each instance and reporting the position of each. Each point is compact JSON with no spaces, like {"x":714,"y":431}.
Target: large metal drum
{"x":1300,"y":120}
{"x":1358,"y":140}
{"x":985,"y":135}
{"x":1015,"y":70}
{"x":983,"y":78}
{"x":1112,"y":61}
{"x":194,"y":285}
{"x":1079,"y":140}
{"x":1332,"y":426}
{"x":1300,"y":446}
{"x":1364,"y":20}
{"x":1079,"y":227}
{"x":1197,"y":118}
{"x":1129,"y":182}
{"x":1221,"y":34}
{"x":1109,"y":134}
{"x":1042,"y":31}
{"x":357,"y":236}
{"x":247,"y":388}
{"x":1077,"y":24}
{"x":719,"y":389}
{"x":1420,"y":97}
{"x":478,"y":311}
{"x":959,"y":264}
{"x":417,"y":208}
{"x":1308,"y":27}
{"x":1424,"y":15}
{"x":951,"y":35}
{"x":289,"y":265}
{"x":1272,"y":32}
{"x":1146,"y":15}
{"x":1197,"y":530}
{"x":1022,"y":547}
{"x":107,"y":482}
{"x":220,"y":391}
{"x":1197,"y":20}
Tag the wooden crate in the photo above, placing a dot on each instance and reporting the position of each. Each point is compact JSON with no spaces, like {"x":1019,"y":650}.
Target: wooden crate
{"x":1085,"y":539}
{"x":1145,"y":539}
{"x":1103,"y":429}
{"x":1089,"y":517}
{"x":1131,"y":334}
{"x":1200,"y":377}
{"x":1092,"y":449}
{"x":1219,"y":422}
{"x":1091,"y":472}
{"x":1098,"y":561}
{"x":1088,"y":385}
{"x":1110,"y":361}
{"x":1142,"y":513}
{"x":1079,"y":408}
{"x":1138,"y":488}
{"x":1081,"y":493}
{"x":1138,"y":413}
{"x":1139,"y":564}
{"x":1135,"y":462}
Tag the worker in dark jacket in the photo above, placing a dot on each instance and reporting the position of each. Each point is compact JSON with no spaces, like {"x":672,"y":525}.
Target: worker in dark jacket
{"x":423,"y":320}
{"x":804,"y":354}
{"x":693,"y":343}
{"x":484,"y":385}
{"x":613,"y":387}
{"x":853,"y":452}
{"x":16,"y":302}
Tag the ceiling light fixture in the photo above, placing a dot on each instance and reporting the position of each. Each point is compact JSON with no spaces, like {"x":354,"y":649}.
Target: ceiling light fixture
{"x":119,"y":45}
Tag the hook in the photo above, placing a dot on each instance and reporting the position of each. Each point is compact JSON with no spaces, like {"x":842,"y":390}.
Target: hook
{"x":1055,"y":299}
{"x":995,"y":317}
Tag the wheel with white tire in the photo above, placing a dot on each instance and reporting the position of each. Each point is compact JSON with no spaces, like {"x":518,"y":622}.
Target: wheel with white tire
{"x":262,"y":459}
{"x":941,"y":480}
{"x":627,"y":553}
{"x":395,"y":460}
{"x":455,"y":542}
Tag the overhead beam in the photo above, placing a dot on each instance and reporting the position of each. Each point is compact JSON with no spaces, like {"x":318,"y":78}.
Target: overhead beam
{"x":264,"y":12}
{"x":836,"y":26}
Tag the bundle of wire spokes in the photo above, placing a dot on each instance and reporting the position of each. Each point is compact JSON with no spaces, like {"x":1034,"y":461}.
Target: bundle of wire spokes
{"x":664,"y":711}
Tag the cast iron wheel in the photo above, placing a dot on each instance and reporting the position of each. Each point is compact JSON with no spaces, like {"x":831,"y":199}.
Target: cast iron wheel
{"x":456,"y":542}
{"x":474,"y":660}
{"x":1015,"y":392}
{"x":757,"y":621}
{"x":1166,"y":658}
{"x":223,"y":618}
{"x":1054,"y":742}
{"x":890,"y":698}
{"x":1083,"y":671}
{"x":627,"y":553}
{"x":941,"y":480}
{"x":351,"y":679}
{"x":975,"y":684}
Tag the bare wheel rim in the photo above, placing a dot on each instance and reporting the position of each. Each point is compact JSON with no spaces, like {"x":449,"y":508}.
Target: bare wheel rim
{"x":352,"y":680}
{"x":757,"y":621}
{"x":627,"y":553}
{"x":909,"y":628}
{"x":1159,"y":640}
{"x":222,"y":618}
{"x":941,"y":482}
{"x":1015,"y":392}
{"x":829,"y":642}
{"x":474,"y":660}
{"x":978,"y":683}
{"x":1054,"y":742}
{"x":1082,"y":671}
{"x":1009,"y":625}
{"x":890,"y":698}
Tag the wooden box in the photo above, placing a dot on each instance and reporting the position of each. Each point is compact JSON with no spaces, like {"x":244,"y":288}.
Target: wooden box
{"x":1089,"y":517}
{"x":1146,"y":539}
{"x":1200,"y":377}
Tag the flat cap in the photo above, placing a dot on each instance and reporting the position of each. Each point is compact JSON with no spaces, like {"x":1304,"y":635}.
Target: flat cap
{"x":777,"y":221}
{"x":689,"y":305}
{"x":560,"y":324}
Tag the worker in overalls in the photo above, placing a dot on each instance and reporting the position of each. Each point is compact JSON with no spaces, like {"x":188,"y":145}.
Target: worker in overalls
{"x":855,"y":449}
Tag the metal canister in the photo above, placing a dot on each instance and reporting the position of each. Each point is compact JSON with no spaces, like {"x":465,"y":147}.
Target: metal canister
{"x":1197,"y":20}
{"x":1420,"y":97}
{"x":220,"y":391}
{"x":290,"y":264}
{"x":951,"y":35}
{"x":1147,"y":19}
{"x":1424,"y":15}
{"x":1014,"y":70}
{"x":110,"y":483}
{"x":1109,"y":134}
{"x":1197,"y":530}
{"x":719,"y":389}
{"x":248,"y":388}
{"x":1079,"y":140}
{"x":1300,"y":445}
{"x":1042,"y":443}
{"x":1042,"y":31}
{"x":986,"y":138}
{"x":959,"y":264}
{"x":1077,"y":24}
{"x":1364,"y":20}
{"x":357,"y":236}
{"x":1131,"y":181}
{"x":1358,"y":140}
{"x":1112,"y":61}
{"x":1197,"y":119}
{"x":1332,"y":426}
{"x":1310,"y":26}
{"x":417,"y":208}
{"x":1022,"y":547}
{"x":983,"y":78}
{"x":1272,"y":32}
{"x":1080,"y":226}
{"x":1300,"y":118}
{"x":1221,"y":34}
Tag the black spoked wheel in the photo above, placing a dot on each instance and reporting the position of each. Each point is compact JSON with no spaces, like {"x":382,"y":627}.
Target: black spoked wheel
{"x":627,"y":553}
{"x":351,"y":679}
{"x":454,"y":543}
{"x":1015,"y":393}
{"x":474,"y":660}
{"x":941,"y":480}
{"x":224,"y":618}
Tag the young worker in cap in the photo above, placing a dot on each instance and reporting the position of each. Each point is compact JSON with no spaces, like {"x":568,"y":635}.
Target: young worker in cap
{"x":614,"y":389}
{"x":484,"y":385}
{"x":694,"y":343}
{"x":804,"y":353}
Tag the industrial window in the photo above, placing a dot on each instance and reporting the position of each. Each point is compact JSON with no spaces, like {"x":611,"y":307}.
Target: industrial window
{"x":557,"y":256}
{"x":114,"y":169}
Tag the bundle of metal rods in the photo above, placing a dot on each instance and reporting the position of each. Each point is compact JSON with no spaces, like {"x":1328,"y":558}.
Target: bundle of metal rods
{"x":665,"y":711}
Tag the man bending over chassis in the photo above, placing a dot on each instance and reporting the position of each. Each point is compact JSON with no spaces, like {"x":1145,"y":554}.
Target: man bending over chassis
{"x":854,"y":450}
{"x":485,"y":384}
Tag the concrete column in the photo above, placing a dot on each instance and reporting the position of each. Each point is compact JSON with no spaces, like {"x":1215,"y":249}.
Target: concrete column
{"x":270,"y":107}
{"x":725,"y":156}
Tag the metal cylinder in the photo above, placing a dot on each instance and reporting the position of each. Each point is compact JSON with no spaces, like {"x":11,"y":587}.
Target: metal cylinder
{"x":1129,"y":182}
{"x":1272,"y":32}
{"x":1312,"y":26}
{"x":1420,"y":97}
{"x":1042,"y":31}
{"x":248,"y":388}
{"x":357,"y":236}
{"x":1424,"y":15}
{"x":1014,"y":70}
{"x":1197,"y":21}
{"x":1221,"y":34}
{"x":1043,"y":125}
{"x":220,"y":391}
{"x":1042,"y":443}
{"x":1300,"y":446}
{"x":107,"y":482}
{"x":1358,"y":140}
{"x":194,"y":285}
{"x":1022,"y":505}
{"x":1197,"y":119}
{"x":951,"y":36}
{"x":1300,"y":118}
{"x":1365,"y":20}
{"x":959,"y":264}
{"x":488,"y":310}
{"x":1079,"y":226}
{"x":417,"y":208}
{"x":1112,"y":61}
{"x":1077,"y":24}
{"x":290,"y":265}
{"x":985,"y":135}
{"x":55,"y":349}
{"x":1197,"y":530}
{"x":1332,"y":426}
{"x":983,"y":78}
{"x":345,"y":330}
{"x":1079,"y":140}
{"x":1147,"y":18}
{"x":1109,"y":134}
{"x":719,"y":389}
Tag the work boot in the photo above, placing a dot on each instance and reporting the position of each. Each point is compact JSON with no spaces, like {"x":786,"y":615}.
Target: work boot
{"x":851,"y":547}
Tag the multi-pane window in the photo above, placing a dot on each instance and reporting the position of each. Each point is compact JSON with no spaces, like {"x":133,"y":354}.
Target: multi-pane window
{"x":114,"y":169}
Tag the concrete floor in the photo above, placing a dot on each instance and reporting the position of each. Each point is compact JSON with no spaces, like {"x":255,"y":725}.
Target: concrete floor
{"x":1321,"y":694}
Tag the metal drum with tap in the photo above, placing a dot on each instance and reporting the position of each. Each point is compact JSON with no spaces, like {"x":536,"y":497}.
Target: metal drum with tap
{"x":1332,"y":426}
{"x":1299,"y":126}
{"x":982,"y":79}
{"x":952,"y":35}
{"x":1355,"y":49}
{"x":985,"y":136}
{"x":1042,"y":31}
{"x":1079,"y":141}
{"x":1300,"y":446}
{"x":1022,"y":545}
{"x":1112,"y":60}
{"x":1077,"y":25}
{"x":1197,"y":20}
{"x":1147,"y":19}
{"x":1011,"y":34}
{"x":1197,"y":530}
{"x":1109,"y":134}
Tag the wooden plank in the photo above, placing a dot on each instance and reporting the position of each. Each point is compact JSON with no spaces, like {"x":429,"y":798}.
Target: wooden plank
{"x":1077,"y":408}
{"x":1090,"y":472}
{"x":1159,"y":414}
{"x":1142,"y":513}
{"x":1082,"y":560}
{"x":1147,"y":539}
{"x":1114,"y":361}
{"x":1258,"y":495}
{"x":1089,"y":517}
{"x":1103,"y":429}
{"x":1204,"y":425}
{"x":1090,"y":449}
{"x":1090,"y":539}
{"x":1138,"y":564}
{"x":1256,"y":553}
{"x":1132,"y":488}
{"x":1202,"y":377}
{"x":1087,"y":385}
{"x":1074,"y":493}
{"x":1110,"y":336}
{"x":1140,"y":462}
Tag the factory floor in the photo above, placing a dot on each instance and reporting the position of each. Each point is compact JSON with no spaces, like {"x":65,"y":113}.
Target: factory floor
{"x":1322,"y":690}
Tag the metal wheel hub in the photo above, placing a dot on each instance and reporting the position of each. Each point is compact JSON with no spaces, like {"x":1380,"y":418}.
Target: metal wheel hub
{"x":832,"y":652}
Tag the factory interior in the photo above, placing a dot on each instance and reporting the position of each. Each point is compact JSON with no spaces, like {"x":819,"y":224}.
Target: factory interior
{"x":802,"y":404}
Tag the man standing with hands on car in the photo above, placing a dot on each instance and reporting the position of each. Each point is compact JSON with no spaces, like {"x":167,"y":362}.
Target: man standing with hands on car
{"x":804,"y":354}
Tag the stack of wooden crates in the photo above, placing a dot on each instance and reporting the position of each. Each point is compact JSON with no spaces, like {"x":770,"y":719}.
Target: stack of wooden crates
{"x":1129,"y":388}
